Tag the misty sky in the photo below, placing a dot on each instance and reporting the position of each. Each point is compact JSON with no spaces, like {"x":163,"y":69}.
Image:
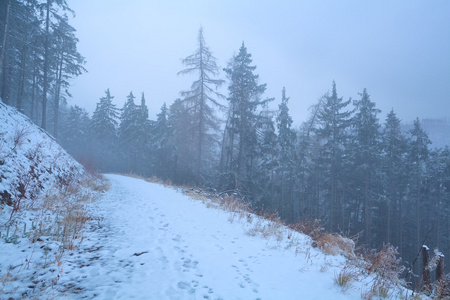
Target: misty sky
{"x":398,"y":50}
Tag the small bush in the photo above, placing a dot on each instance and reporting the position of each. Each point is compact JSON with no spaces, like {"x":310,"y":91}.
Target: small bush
{"x":19,"y":136}
{"x":385,"y":263}
{"x":442,"y":289}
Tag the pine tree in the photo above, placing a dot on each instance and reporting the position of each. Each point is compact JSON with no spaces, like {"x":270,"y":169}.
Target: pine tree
{"x":240,"y":135}
{"x":104,"y":132}
{"x":394,"y":182}
{"x":366,"y":156}
{"x":69,"y":63}
{"x":184,"y":143}
{"x":160,"y":145}
{"x":133,"y":136}
{"x":287,"y":157}
{"x":334,"y":119}
{"x":200,"y":102}
{"x":75,"y":134}
{"x":417,"y":160}
{"x":144,"y":132}
{"x":20,"y":38}
{"x":38,"y":56}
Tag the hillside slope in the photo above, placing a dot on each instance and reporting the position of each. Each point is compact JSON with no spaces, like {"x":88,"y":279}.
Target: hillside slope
{"x":44,"y":195}
{"x":30,"y":159}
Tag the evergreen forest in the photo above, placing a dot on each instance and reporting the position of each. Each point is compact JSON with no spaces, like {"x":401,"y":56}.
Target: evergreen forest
{"x":357,"y":174}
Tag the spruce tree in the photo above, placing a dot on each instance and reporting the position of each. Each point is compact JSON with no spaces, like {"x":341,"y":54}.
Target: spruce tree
{"x":394,"y":182}
{"x":366,"y":158}
{"x":240,"y":136}
{"x":104,"y":132}
{"x":287,"y":157}
{"x":417,"y":161}
{"x":268,"y":152}
{"x":75,"y":134}
{"x":160,"y":145}
{"x":184,"y":142}
{"x":133,"y":136}
{"x":69,"y":63}
{"x":334,"y":120}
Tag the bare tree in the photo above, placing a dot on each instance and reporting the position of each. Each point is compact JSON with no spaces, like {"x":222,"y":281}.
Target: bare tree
{"x":201,"y":99}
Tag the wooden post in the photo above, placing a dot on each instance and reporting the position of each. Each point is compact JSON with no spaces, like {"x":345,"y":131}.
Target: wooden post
{"x":426,"y":270}
{"x":440,"y":268}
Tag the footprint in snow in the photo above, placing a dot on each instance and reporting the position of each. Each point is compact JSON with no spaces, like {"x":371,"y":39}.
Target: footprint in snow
{"x":190,"y":264}
{"x":183,"y":285}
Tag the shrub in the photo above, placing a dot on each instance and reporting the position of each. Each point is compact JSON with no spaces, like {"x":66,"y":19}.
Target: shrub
{"x":385,"y":263}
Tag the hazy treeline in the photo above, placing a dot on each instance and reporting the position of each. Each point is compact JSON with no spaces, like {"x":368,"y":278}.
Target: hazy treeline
{"x":38,"y":57}
{"x":356,"y":173}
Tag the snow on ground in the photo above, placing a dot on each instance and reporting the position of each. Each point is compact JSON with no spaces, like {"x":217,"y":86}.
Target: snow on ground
{"x":29,"y":156}
{"x":156,"y":243}
{"x":43,"y":192}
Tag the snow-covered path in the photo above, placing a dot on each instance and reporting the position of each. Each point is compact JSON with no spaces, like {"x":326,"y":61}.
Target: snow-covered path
{"x":156,"y":243}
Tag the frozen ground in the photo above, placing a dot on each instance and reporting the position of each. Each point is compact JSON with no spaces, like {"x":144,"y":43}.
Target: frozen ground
{"x":156,"y":243}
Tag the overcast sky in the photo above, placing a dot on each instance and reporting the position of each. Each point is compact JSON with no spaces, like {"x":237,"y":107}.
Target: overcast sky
{"x":398,"y":50}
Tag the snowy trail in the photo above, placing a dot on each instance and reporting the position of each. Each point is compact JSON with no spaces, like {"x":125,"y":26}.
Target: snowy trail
{"x":156,"y":243}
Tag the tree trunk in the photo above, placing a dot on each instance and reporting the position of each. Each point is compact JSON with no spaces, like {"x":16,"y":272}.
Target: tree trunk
{"x":57,"y":94}
{"x":46,"y":63}
{"x":367,"y":211}
{"x":33,"y":90}
{"x":5,"y":35}
{"x":22,"y":80}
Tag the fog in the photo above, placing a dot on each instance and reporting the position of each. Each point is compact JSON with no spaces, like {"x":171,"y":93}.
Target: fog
{"x":398,"y":50}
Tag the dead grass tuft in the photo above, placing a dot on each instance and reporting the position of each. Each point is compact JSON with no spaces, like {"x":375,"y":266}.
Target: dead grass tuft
{"x":380,"y":289}
{"x":312,"y":228}
{"x":267,"y":229}
{"x":345,"y":277}
{"x":155,"y":179}
{"x":97,"y":184}
{"x":335,"y":244}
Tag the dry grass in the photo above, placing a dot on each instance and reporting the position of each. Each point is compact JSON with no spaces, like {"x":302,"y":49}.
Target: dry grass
{"x":442,"y":290}
{"x":345,"y":277}
{"x":382,"y":289}
{"x":267,"y":229}
{"x":335,"y":244}
{"x":96,"y":183}
{"x":386,"y":267}
{"x":155,"y":179}
{"x":58,"y":226}
{"x":312,"y":228}
{"x":63,"y":216}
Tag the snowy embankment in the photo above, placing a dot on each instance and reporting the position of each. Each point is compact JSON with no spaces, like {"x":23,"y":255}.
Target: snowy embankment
{"x":155,"y":242}
{"x":44,"y":194}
